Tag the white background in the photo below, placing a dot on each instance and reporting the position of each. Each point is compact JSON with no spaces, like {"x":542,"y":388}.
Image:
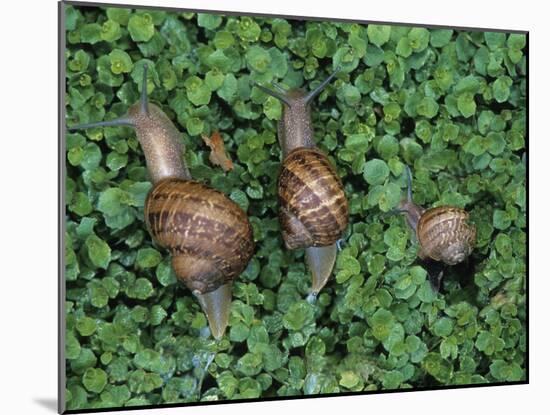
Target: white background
{"x":28,"y":205}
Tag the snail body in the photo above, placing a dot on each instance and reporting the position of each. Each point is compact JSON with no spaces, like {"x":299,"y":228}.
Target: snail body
{"x":208,"y":235}
{"x":443,"y":233}
{"x":313,"y":209}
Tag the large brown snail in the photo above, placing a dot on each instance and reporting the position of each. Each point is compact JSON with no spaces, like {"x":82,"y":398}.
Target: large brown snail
{"x":313,"y":209}
{"x":443,"y":233}
{"x":208,"y":235}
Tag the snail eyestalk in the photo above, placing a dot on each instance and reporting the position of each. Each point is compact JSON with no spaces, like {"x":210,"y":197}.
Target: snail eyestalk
{"x":117,"y":122}
{"x":309,"y":97}
{"x":411,"y":210}
{"x":279,"y":87}
{"x":409,"y":184}
{"x":144,"y":99}
{"x":274,"y":94}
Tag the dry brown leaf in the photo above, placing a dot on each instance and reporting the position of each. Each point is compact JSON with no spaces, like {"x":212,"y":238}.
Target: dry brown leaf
{"x":218,"y":156}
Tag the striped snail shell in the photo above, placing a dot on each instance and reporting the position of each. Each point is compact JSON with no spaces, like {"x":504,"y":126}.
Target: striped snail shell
{"x":443,"y":233}
{"x":208,"y":235}
{"x":313,"y":209}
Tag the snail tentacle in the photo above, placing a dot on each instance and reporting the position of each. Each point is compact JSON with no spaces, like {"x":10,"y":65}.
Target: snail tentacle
{"x":117,"y":122}
{"x":312,"y":94}
{"x":144,"y":99}
{"x":279,"y":96}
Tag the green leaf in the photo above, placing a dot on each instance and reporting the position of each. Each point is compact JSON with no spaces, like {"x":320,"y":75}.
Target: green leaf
{"x":90,"y":33}
{"x":443,"y":327}
{"x":503,"y":244}
{"x":86,"y":359}
{"x":113,"y":201}
{"x":352,"y":96}
{"x":382,"y":322}
{"x":238,"y":332}
{"x":86,"y":326}
{"x":165,"y":273}
{"x":378,"y":34}
{"x":419,"y":38}
{"x":158,"y":314}
{"x":228,"y":89}
{"x":440,"y":37}
{"x":427,"y":107}
{"x":248,"y":29}
{"x":99,"y":251}
{"x":223,"y":39}
{"x":438,"y":367}
{"x":494,"y":40}
{"x":195,"y":126}
{"x":148,"y":258}
{"x":273,"y":108}
{"x":349,"y":379}
{"x":467,"y":84}
{"x":110,"y":31}
{"x":141,"y":289}
{"x":91,"y":157}
{"x":94,"y":379}
{"x":197,"y":91}
{"x":298,"y":315}
{"x":80,"y":204}
{"x":375,"y":171}
{"x":503,"y":371}
{"x":116,"y":161}
{"x":466,"y":104}
{"x":404,"y":47}
{"x":141,"y":27}
{"x":72,"y":347}
{"x":208,"y":21}
{"x":501,"y":88}
{"x":392,"y":379}
{"x":258,"y":59}
{"x":119,"y":15}
{"x":120,"y":62}
{"x":516,"y":41}
{"x":388,"y":147}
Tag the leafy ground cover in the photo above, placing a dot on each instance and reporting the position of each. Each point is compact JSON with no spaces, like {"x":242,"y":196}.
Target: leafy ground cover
{"x":450,"y":104}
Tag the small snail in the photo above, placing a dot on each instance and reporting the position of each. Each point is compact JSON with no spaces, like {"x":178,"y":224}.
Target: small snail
{"x":443,"y":232}
{"x":313,"y":209}
{"x":208,"y":235}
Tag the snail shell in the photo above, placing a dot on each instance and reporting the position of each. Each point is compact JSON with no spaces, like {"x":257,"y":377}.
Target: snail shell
{"x":207,"y":233}
{"x":313,"y":206}
{"x":445,"y":235}
{"x":443,"y":232}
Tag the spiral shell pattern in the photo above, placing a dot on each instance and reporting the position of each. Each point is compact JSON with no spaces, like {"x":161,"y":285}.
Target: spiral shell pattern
{"x":445,"y":235}
{"x":208,"y":234}
{"x":313,"y":209}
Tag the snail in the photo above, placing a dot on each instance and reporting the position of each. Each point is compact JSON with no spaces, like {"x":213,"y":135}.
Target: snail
{"x":313,"y":209}
{"x":443,"y":232}
{"x":208,"y":235}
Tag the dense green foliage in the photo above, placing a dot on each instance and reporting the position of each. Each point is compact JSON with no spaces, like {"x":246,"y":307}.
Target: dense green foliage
{"x":450,"y":104}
